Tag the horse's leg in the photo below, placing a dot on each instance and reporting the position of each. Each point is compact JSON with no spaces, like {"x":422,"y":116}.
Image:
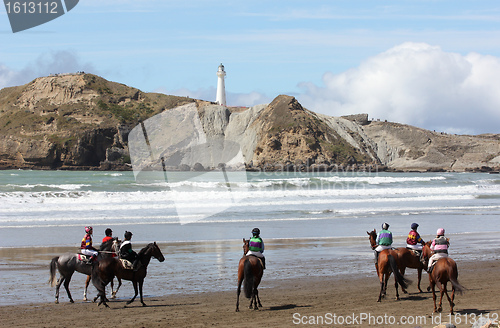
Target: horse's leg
{"x":396,"y":286}
{"x":134,"y":283}
{"x":238,"y":292}
{"x":113,"y":293}
{"x":419,"y":271}
{"x":448,"y":296}
{"x":433,"y":288}
{"x":58,"y":285}
{"x":119,"y":285}
{"x":67,"y":280}
{"x":381,"y":279}
{"x":442,"y":289}
{"x":402,"y":271}
{"x":141,"y":282}
{"x":257,"y":295}
{"x":452,"y":304}
{"x":85,"y":289}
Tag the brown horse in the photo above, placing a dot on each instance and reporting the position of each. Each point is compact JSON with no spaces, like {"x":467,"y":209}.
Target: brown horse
{"x":108,"y":268}
{"x":445,"y":269}
{"x":407,"y":259}
{"x":250,"y":270}
{"x":387,"y":264}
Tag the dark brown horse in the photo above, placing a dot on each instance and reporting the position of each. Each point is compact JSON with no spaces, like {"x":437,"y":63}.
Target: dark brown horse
{"x":445,"y":269}
{"x":408,"y":259}
{"x":387,"y":264}
{"x":250,"y":271}
{"x":108,"y":268}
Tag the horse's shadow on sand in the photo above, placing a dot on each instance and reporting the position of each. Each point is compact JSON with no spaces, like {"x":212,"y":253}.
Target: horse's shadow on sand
{"x":149,"y":305}
{"x":474,"y":311}
{"x":287,"y":307}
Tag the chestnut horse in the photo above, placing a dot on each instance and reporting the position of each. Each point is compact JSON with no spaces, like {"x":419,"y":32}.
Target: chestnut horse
{"x":387,"y":264}
{"x":408,"y":259}
{"x":445,"y":269}
{"x":106,"y":269}
{"x":250,"y":270}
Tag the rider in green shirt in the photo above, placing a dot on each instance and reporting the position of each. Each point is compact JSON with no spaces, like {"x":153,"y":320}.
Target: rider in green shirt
{"x":256,"y":246}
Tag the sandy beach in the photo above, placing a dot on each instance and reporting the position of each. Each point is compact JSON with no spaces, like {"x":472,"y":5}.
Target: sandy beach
{"x":320,"y":301}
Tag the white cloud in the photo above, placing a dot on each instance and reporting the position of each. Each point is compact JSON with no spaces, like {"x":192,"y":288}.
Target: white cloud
{"x":417,"y":84}
{"x":44,"y":65}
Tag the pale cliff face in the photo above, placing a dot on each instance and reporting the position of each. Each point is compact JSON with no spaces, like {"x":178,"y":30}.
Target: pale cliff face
{"x":56,"y":90}
{"x":83,"y":121}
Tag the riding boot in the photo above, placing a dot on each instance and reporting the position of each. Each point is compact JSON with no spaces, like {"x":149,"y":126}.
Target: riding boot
{"x":263,"y":263}
{"x":135,"y":265}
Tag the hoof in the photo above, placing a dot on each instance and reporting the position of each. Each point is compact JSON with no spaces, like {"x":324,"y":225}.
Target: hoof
{"x":85,"y":299}
{"x":429,"y":289}
{"x":237,"y":310}
{"x":71,"y":301}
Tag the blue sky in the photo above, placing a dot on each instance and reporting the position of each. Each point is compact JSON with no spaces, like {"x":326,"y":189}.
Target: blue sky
{"x":432,"y":64}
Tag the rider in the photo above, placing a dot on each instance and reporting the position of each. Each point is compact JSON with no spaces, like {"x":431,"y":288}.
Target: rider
{"x":109,"y":235}
{"x":86,"y":246}
{"x":414,"y":241}
{"x":126,"y":251}
{"x":440,"y":246}
{"x":384,"y":241}
{"x":106,"y":239}
{"x":256,"y":246}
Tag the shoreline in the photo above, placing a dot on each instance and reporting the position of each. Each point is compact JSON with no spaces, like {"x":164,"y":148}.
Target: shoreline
{"x":289,"y":302}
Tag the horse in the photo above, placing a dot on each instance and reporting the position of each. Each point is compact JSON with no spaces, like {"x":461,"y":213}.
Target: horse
{"x":407,"y":259}
{"x":106,"y":269}
{"x":445,"y":269}
{"x":68,"y":263}
{"x":387,"y":263}
{"x":250,"y":270}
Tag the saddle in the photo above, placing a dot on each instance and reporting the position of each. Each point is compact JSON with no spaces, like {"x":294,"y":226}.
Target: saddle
{"x":415,"y":252}
{"x":127,"y":264}
{"x":84,"y":258}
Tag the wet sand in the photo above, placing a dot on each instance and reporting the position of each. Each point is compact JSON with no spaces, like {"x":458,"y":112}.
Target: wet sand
{"x":339,"y":301}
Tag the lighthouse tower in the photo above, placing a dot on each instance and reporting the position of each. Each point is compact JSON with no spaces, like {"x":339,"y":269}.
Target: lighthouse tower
{"x":221,"y":89}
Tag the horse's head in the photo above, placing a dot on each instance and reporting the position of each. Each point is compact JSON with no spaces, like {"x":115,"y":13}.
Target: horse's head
{"x":427,"y":252}
{"x":156,"y":252}
{"x":372,"y":235}
{"x":245,"y":246}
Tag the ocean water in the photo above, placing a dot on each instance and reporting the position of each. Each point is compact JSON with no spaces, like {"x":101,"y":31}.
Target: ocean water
{"x":199,"y":219}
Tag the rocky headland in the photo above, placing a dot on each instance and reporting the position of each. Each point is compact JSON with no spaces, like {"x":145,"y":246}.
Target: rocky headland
{"x":82,"y":121}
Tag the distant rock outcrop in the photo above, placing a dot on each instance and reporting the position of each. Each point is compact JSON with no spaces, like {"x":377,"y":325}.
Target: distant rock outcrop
{"x":81,"y":121}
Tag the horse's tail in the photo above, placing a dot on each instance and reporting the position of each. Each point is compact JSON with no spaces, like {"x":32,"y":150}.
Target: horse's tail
{"x":53,"y":266}
{"x":402,"y":281}
{"x":248,"y":278}
{"x":459,"y":289}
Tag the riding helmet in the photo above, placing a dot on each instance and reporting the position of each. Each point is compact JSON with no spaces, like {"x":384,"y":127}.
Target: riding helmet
{"x":440,"y":232}
{"x":108,"y":232}
{"x":414,"y":226}
{"x":255,"y":231}
{"x":385,"y":226}
{"x":128,"y":235}
{"x":88,"y":229}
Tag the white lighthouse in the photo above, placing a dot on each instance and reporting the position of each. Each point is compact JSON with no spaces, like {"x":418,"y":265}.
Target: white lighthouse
{"x":221,"y":88}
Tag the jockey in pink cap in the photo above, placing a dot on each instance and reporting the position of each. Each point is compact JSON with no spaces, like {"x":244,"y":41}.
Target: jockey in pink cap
{"x":439,"y":246}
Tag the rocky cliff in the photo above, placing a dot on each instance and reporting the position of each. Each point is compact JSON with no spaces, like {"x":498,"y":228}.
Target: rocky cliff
{"x":81,"y":121}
